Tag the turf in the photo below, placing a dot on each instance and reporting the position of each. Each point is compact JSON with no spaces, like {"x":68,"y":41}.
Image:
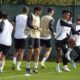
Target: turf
{"x":44,"y":74}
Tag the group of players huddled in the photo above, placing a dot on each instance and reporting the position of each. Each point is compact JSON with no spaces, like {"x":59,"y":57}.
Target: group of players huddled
{"x":34,"y":32}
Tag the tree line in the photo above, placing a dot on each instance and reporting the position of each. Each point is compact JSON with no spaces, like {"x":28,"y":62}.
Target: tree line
{"x":43,"y":2}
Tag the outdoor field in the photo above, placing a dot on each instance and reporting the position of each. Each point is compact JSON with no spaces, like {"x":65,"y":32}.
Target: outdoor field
{"x":44,"y":74}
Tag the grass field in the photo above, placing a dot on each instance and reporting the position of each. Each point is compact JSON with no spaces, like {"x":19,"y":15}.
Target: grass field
{"x":44,"y":74}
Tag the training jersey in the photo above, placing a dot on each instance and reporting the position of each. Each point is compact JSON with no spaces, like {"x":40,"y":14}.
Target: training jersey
{"x":20,"y":24}
{"x":77,"y":37}
{"x":45,"y":25}
{"x":62,"y":31}
{"x":34,"y":33}
{"x":6,"y":34}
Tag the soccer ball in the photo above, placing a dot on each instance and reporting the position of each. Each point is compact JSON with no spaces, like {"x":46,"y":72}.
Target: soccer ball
{"x":71,"y":42}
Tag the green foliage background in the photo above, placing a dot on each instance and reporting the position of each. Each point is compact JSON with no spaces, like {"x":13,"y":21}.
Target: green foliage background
{"x":43,"y":2}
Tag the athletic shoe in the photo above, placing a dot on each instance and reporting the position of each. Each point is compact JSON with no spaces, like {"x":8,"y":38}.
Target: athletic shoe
{"x":18,"y":68}
{"x":13,"y":66}
{"x":28,"y":70}
{"x":58,"y":70}
{"x":65,"y":68}
{"x":27,"y":75}
{"x":73,"y":64}
{"x":43,"y":65}
{"x":35,"y":71}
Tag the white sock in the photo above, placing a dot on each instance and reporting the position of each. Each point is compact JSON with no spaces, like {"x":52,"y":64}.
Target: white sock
{"x":18,"y":64}
{"x":14,"y":60}
{"x":2,"y":63}
{"x":72,"y":61}
{"x":36,"y":65}
{"x":27,"y":64}
{"x":69,"y":51}
{"x":43,"y":60}
{"x":57,"y":65}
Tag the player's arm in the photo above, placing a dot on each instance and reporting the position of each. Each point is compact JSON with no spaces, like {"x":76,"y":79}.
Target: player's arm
{"x":51,"y":26}
{"x":30,"y":22}
{"x":63,"y":23}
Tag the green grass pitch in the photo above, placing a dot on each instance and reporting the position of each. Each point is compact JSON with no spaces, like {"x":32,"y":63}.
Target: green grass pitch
{"x":44,"y":74}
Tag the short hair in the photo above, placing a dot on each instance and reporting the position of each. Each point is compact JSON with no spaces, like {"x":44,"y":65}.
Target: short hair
{"x":50,"y":10}
{"x":66,"y":11}
{"x":37,"y":8}
{"x":1,"y":14}
{"x":25,"y":9}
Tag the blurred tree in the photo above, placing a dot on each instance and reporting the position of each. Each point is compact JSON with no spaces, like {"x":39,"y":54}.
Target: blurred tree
{"x":44,"y":2}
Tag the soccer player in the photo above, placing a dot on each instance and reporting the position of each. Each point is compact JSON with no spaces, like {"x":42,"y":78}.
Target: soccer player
{"x":33,"y":23}
{"x":5,"y":39}
{"x":62,"y":38}
{"x":47,"y":23}
{"x":67,"y":55}
{"x":77,"y":47}
{"x":77,"y":39}
{"x":20,"y":37}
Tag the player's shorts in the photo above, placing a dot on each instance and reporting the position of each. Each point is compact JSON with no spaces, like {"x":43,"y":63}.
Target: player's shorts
{"x":77,"y":50}
{"x":20,"y":43}
{"x":61,"y":43}
{"x":46,"y":43}
{"x":33,"y":43}
{"x":4,"y":49}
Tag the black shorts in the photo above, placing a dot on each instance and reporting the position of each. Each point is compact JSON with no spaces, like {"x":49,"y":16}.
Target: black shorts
{"x":61,"y":43}
{"x":33,"y":43}
{"x":4,"y":49}
{"x":20,"y":43}
{"x":46,"y":43}
{"x":77,"y":50}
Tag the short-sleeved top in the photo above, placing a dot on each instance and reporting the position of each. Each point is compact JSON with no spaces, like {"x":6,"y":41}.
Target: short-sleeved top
{"x":20,"y":24}
{"x":6,"y":34}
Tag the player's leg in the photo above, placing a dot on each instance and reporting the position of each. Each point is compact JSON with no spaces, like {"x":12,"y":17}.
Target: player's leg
{"x":22,"y":46}
{"x":19,"y":59}
{"x":5,"y":50}
{"x":77,"y":50}
{"x":42,"y":44}
{"x":46,"y":55}
{"x":0,"y":54}
{"x":1,"y":50}
{"x":15,"y":55}
{"x":58,"y":55}
{"x":29,"y":56}
{"x":1,"y":70}
{"x":36,"y":59}
{"x":65,"y":60}
{"x":47,"y":44}
{"x":58,"y":59}
{"x":36,"y":54}
{"x":2,"y":62}
{"x":67,"y":55}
